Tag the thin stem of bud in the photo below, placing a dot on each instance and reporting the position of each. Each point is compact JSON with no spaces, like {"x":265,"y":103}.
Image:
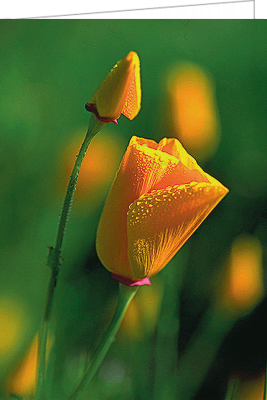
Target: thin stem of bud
{"x":54,"y":258}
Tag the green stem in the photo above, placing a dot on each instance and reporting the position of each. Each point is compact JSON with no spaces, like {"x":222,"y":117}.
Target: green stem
{"x":265,"y":384}
{"x":43,"y":335}
{"x":232,"y":389}
{"x":55,"y":253}
{"x":126,"y":294}
{"x":94,"y":127}
{"x":166,"y":349}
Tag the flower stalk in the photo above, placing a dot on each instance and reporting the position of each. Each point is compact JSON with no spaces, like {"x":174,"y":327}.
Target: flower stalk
{"x":126,"y":294}
{"x":54,"y":258}
{"x":265,"y":384}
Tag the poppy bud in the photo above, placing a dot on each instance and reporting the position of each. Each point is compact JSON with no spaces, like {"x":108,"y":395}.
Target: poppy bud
{"x":120,"y":91}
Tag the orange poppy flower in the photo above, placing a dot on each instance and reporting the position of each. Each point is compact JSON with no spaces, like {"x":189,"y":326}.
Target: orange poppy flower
{"x":158,"y":199}
{"x":23,"y":379}
{"x":242,"y":287}
{"x":193,"y":110}
{"x":120,"y":91}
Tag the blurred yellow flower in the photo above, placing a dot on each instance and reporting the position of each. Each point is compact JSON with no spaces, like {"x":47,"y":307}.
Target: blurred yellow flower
{"x":242,"y":286}
{"x":120,"y":91}
{"x":252,"y":389}
{"x":158,"y":199}
{"x":193,"y":111}
{"x":12,"y":325}
{"x":99,"y":165}
{"x":22,"y":380}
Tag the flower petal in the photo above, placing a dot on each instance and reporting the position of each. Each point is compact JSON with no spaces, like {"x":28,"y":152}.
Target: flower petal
{"x":175,"y":148}
{"x":161,"y":165}
{"x":132,"y":102}
{"x":160,"y":222}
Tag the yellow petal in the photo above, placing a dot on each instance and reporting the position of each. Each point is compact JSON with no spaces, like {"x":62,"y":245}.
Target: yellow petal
{"x":120,"y":91}
{"x":175,"y":148}
{"x":160,"y":222}
{"x":132,"y":102}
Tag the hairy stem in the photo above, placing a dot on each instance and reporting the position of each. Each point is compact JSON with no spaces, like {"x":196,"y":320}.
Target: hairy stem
{"x":54,"y":258}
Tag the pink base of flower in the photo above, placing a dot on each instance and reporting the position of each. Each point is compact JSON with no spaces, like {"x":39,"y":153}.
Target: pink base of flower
{"x":92,"y":108}
{"x":129,"y":281}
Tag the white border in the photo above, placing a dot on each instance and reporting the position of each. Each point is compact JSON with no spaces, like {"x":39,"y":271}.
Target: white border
{"x":218,"y":11}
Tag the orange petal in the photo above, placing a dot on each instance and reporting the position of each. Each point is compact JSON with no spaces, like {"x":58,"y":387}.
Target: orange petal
{"x":160,"y":222}
{"x":175,"y":148}
{"x":132,"y":102}
{"x":157,"y":166}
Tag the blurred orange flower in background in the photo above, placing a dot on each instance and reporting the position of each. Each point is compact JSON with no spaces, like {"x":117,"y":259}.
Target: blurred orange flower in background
{"x":242,"y":286}
{"x":22,"y":381}
{"x":12,"y":325}
{"x":120,"y":91}
{"x":252,"y":389}
{"x":99,"y":165}
{"x":158,"y":199}
{"x":193,"y":112}
{"x":14,"y":330}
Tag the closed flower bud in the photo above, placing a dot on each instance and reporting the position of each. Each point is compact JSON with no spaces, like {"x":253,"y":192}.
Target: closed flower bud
{"x":120,"y":91}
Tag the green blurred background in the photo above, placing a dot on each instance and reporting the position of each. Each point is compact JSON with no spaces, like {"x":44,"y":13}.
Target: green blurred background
{"x":49,"y":70}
